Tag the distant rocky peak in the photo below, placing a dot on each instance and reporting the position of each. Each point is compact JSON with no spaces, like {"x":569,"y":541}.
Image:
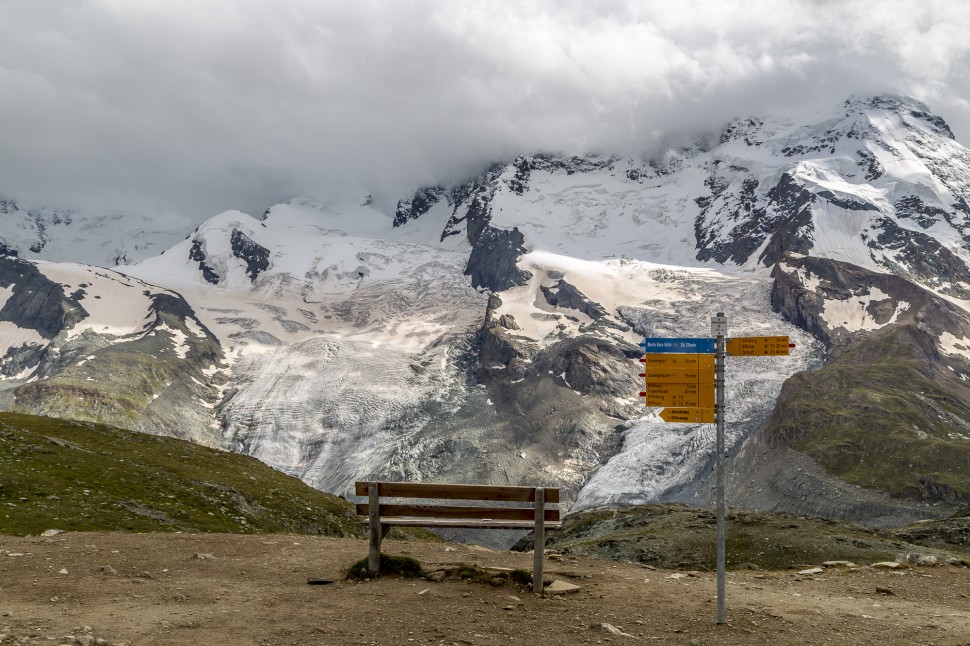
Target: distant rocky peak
{"x":748,"y":130}
{"x":253,"y":254}
{"x":227,"y":241}
{"x":8,"y":206}
{"x":470,"y":195}
{"x":519,"y":182}
{"x":865,"y":123}
{"x":197,"y":253}
{"x":418,"y":204}
{"x":857,"y":103}
{"x":907,"y":108}
{"x":864,"y":104}
{"x":570,"y":164}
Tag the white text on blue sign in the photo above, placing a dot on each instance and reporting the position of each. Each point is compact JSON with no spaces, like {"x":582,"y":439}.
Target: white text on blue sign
{"x":701,"y":345}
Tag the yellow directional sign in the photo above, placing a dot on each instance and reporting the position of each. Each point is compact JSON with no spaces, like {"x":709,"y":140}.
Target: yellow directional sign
{"x":688,"y":415}
{"x":758,"y":346}
{"x":661,"y":394}
{"x":678,"y":361}
{"x":679,"y":379}
{"x":692,"y":401}
{"x":679,"y":375}
{"x":659,"y":387}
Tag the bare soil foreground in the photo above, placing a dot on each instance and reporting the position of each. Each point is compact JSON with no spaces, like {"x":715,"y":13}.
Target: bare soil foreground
{"x":215,"y":589}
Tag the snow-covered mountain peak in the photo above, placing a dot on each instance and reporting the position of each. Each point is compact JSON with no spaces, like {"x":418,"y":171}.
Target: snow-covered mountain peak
{"x":871,"y":118}
{"x":905,"y":108}
{"x":309,"y":268}
{"x":486,"y":330}
{"x":875,"y":182}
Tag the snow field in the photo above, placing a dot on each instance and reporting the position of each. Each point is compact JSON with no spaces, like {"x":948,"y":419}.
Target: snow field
{"x":116,"y":304}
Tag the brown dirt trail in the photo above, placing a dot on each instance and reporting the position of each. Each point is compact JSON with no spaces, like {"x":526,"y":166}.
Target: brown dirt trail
{"x":214,"y":589}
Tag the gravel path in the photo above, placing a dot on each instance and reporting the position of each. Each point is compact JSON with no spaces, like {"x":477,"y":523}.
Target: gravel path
{"x":156,"y":589}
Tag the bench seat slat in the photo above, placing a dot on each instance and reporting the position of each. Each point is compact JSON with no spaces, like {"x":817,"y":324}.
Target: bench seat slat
{"x":465,"y":523}
{"x":460,"y":511}
{"x":456,"y":491}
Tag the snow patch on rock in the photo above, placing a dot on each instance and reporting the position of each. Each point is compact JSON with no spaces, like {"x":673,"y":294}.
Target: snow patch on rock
{"x":952,"y":345}
{"x":854,"y":314}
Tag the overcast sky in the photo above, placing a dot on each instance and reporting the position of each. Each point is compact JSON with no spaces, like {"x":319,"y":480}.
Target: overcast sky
{"x":194,"y":106}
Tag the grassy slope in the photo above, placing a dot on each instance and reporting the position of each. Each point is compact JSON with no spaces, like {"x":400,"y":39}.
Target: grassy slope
{"x":875,"y":418}
{"x":86,"y":477}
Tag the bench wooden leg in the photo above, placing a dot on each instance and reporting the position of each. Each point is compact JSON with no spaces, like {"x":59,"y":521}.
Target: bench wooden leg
{"x":539,"y":544}
{"x":376,"y":531}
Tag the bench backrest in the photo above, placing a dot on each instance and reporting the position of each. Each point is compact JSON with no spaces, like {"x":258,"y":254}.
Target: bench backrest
{"x":439,"y":491}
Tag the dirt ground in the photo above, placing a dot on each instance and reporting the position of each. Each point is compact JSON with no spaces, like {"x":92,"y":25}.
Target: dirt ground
{"x":228,"y":589}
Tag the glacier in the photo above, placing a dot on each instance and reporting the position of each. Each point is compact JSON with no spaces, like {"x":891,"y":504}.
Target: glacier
{"x":486,"y":331}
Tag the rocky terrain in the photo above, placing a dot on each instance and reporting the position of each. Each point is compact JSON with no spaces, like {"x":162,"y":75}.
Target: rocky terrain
{"x":677,"y":536}
{"x":92,"y":344}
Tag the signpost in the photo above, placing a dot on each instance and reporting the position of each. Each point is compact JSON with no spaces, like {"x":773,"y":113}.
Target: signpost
{"x":679,"y":375}
{"x":686,"y":377}
{"x":688,"y":415}
{"x":719,"y":329}
{"x":680,"y":361}
{"x":758,"y":346}
{"x":664,"y":345}
{"x":695,"y":394}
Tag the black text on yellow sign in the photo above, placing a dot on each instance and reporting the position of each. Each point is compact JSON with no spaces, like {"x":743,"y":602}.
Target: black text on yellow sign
{"x":688,"y":415}
{"x":679,"y":376}
{"x":666,"y":394}
{"x":678,"y":361}
{"x":758,"y":346}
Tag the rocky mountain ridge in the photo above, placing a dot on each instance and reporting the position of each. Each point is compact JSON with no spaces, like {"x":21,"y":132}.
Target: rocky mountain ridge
{"x":91,"y":344}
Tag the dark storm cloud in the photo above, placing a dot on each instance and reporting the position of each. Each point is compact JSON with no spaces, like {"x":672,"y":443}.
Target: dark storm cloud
{"x":190,"y":106}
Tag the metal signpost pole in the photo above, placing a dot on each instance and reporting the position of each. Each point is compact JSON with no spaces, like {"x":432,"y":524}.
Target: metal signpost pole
{"x":678,"y":377}
{"x":719,"y":331}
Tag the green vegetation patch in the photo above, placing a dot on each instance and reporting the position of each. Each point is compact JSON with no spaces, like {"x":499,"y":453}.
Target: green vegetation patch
{"x":79,"y":476}
{"x":472,"y":572}
{"x":883,"y":416}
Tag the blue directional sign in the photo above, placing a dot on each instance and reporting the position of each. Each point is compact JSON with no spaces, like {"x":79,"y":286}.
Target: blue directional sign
{"x":685,"y":346}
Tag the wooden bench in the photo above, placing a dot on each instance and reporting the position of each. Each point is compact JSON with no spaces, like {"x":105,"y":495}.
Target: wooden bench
{"x":382,"y":516}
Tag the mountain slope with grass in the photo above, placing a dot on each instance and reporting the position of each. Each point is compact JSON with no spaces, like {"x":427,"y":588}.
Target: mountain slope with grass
{"x":888,"y":414}
{"x":57,"y":474}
